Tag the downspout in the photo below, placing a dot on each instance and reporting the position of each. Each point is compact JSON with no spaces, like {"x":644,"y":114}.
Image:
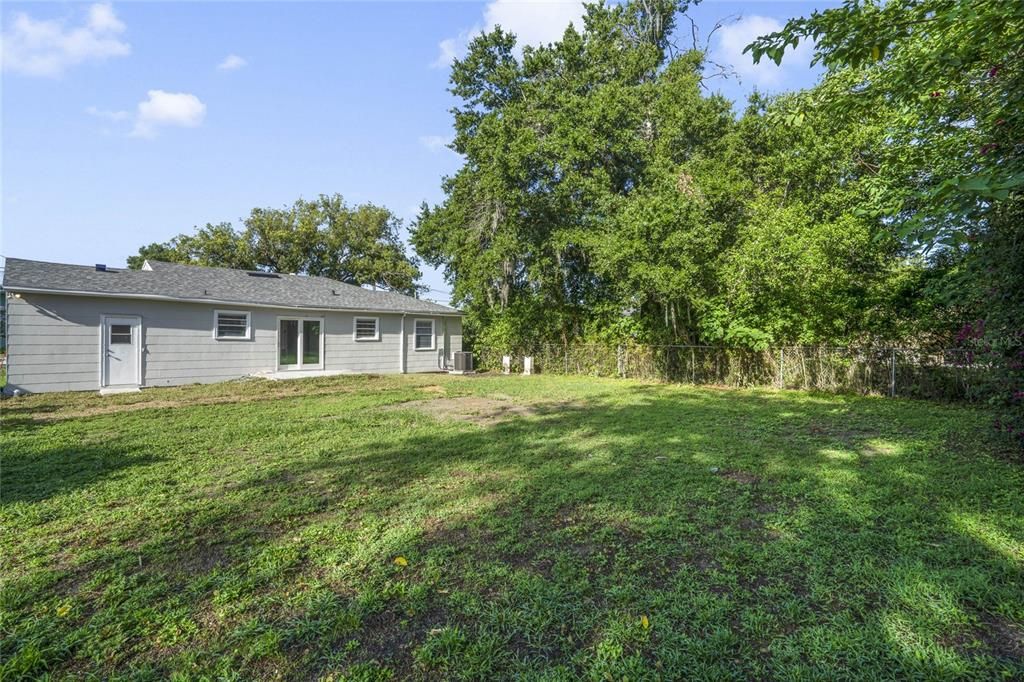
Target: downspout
{"x":8,"y":297}
{"x":401,"y":346}
{"x":446,"y":344}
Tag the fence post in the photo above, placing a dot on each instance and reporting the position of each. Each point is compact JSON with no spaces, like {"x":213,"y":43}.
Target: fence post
{"x":782,"y":383}
{"x":619,"y":361}
{"x":567,"y":360}
{"x":892,"y":375}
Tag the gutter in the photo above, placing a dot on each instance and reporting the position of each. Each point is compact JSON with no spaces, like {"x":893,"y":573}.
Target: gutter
{"x":219,"y":301}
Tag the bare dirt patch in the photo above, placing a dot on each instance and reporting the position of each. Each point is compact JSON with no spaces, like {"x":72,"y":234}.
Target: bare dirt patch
{"x":142,"y":401}
{"x":390,"y":636}
{"x":993,"y":635}
{"x":1003,"y":638}
{"x":475,"y":409}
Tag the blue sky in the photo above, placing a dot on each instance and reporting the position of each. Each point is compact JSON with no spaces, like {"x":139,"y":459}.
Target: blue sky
{"x":128,"y":123}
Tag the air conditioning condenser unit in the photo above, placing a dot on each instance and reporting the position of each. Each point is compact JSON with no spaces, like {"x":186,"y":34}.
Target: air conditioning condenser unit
{"x":463,"y":363}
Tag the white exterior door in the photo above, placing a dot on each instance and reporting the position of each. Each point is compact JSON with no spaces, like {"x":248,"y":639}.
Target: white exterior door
{"x":121,"y":360}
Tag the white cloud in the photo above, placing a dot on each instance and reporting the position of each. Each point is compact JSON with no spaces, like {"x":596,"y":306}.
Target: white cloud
{"x":435,"y":142}
{"x":109,"y":115}
{"x":167,"y":109}
{"x":534,"y":22}
{"x":448,"y":50}
{"x":231,"y":63}
{"x":736,"y":36}
{"x":103,"y":20}
{"x":48,"y":47}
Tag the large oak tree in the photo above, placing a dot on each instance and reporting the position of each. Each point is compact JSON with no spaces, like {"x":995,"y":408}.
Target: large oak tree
{"x":323,"y":237}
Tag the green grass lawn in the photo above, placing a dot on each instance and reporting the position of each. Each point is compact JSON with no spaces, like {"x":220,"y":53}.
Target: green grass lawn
{"x":539,"y":527}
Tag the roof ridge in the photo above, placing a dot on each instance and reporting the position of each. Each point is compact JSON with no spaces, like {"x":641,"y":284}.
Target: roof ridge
{"x":276,"y":272}
{"x":207,"y":267}
{"x":53,"y":262}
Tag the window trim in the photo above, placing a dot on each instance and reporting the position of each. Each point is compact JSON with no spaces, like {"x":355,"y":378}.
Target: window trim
{"x":433,"y":333}
{"x":248,"y":325}
{"x":376,"y":324}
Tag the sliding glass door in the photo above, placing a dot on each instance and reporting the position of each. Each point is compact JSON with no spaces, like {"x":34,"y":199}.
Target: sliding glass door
{"x":300,"y":343}
{"x":310,"y":342}
{"x":288,"y":344}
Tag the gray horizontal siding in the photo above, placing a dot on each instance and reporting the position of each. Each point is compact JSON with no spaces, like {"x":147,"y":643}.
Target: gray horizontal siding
{"x":54,"y":343}
{"x":54,"y":358}
{"x":193,"y":376}
{"x":64,"y":333}
{"x":59,"y":387}
{"x":454,"y":331}
{"x":90,"y":377}
{"x":49,"y":348}
{"x":424,"y":360}
{"x":175,"y":353}
{"x":344,"y":354}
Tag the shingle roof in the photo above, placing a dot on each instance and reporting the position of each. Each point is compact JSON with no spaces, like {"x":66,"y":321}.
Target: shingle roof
{"x":216,"y":285}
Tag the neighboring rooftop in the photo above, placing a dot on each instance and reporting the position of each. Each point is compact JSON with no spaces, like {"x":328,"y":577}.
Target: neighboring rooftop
{"x":216,"y":285}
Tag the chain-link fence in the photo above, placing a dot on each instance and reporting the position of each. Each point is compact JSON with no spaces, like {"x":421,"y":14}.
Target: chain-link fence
{"x":907,"y":372}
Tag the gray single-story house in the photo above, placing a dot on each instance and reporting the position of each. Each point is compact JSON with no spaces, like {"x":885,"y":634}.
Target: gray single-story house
{"x":78,"y":328}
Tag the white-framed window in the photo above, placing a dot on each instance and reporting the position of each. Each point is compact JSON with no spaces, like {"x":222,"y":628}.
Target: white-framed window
{"x":366,"y":329}
{"x":120,"y":334}
{"x":232,"y":325}
{"x":424,"y":333}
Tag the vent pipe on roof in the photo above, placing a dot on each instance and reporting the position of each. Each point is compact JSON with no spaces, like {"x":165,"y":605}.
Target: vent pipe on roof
{"x":100,"y":267}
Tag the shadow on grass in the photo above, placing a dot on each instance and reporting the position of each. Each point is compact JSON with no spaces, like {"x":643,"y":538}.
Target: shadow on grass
{"x":35,"y":476}
{"x":764,"y":535}
{"x":15,"y":417}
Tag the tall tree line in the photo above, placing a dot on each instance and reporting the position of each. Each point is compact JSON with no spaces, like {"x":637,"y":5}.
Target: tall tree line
{"x":605,"y":194}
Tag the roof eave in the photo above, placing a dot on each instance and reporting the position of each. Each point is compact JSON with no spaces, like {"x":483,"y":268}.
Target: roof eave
{"x":222,"y":301}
